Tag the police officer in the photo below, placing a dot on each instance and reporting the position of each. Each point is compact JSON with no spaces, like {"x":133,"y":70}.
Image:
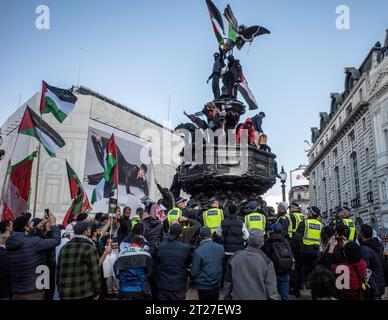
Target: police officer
{"x":254,"y":219}
{"x":295,"y":211}
{"x":285,"y":219}
{"x":343,"y":213}
{"x":213,"y":217}
{"x":135,"y":219}
{"x":309,"y":233}
{"x":176,"y":212}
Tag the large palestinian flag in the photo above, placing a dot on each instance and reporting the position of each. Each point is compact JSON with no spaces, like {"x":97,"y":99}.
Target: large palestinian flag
{"x":16,"y":196}
{"x":110,"y":180}
{"x":215,"y":15}
{"x":60,"y":102}
{"x":80,"y":200}
{"x":33,"y":125}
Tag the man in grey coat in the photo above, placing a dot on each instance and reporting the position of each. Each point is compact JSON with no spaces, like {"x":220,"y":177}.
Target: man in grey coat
{"x":250,"y":274}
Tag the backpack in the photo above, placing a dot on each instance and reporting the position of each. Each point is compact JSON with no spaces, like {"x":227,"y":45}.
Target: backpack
{"x":282,"y":256}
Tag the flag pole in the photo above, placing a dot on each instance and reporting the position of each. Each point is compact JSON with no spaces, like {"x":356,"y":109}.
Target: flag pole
{"x":36,"y":182}
{"x":39,"y":150}
{"x":8,"y":166}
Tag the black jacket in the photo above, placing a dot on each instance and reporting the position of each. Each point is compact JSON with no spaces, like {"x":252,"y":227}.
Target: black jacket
{"x":232,"y":233}
{"x":174,"y":258}
{"x":372,"y":251}
{"x":125,"y":228}
{"x":153,"y":233}
{"x":268,"y":246}
{"x":5,"y":275}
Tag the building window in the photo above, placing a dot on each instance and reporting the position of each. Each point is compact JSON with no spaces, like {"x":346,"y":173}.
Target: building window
{"x":351,"y":137}
{"x":369,"y":195}
{"x":324,"y":195}
{"x":335,"y":154}
{"x":315,"y":196}
{"x":373,"y":222}
{"x":356,"y":181}
{"x":349,"y":110}
{"x":338,"y":185}
{"x":344,"y":173}
{"x":339,"y":120}
{"x":360,"y":94}
{"x":367,"y":157}
{"x":299,"y":197}
{"x":364,"y":124}
{"x":386,"y":139}
{"x":383,"y":191}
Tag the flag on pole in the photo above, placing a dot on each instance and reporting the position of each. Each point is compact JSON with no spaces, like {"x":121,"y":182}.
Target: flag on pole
{"x":60,"y":102}
{"x":247,"y":94}
{"x":215,"y":15}
{"x":80,"y":199}
{"x":109,"y":182}
{"x":33,"y":125}
{"x":16,"y":198}
{"x":218,"y":35}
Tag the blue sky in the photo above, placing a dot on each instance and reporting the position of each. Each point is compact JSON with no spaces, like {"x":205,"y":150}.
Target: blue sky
{"x":140,"y":53}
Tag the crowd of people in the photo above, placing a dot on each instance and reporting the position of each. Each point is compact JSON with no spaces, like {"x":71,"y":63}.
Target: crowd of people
{"x":230,"y":251}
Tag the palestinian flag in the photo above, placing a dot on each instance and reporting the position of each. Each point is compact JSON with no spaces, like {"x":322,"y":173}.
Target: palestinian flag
{"x":77,"y":194}
{"x":33,"y":125}
{"x":16,"y":198}
{"x":110,"y":180}
{"x":60,"y":102}
{"x":215,"y":14}
{"x":247,"y":94}
{"x":218,"y":35}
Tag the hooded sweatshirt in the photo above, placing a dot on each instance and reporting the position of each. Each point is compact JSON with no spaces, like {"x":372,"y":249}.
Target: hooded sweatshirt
{"x":25,"y":254}
{"x":357,"y":273}
{"x":372,"y":251}
{"x":153,"y":232}
{"x":251,"y":131}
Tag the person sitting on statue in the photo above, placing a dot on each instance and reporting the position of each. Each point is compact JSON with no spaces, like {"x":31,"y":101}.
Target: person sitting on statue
{"x":215,"y":120}
{"x":231,"y":76}
{"x":216,"y":74}
{"x":248,"y":125}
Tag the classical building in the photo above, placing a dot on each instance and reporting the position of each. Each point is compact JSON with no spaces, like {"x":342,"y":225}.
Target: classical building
{"x":348,"y":162}
{"x":299,"y":191}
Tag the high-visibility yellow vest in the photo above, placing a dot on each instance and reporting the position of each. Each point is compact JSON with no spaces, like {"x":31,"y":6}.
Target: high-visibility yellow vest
{"x":349,"y":222}
{"x":212,"y":219}
{"x":288,"y":217}
{"x":299,"y":217}
{"x":174,"y":214}
{"x":135,"y":220}
{"x":312,"y":232}
{"x":255,"y":220}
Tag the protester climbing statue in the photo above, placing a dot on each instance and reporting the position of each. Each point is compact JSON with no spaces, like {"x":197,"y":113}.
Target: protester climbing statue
{"x":219,"y":117}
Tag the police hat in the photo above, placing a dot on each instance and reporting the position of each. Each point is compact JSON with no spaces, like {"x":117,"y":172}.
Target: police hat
{"x":315,"y":211}
{"x":179,"y":200}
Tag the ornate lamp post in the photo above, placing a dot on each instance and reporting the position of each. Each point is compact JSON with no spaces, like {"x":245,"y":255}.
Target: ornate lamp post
{"x":283,"y":179}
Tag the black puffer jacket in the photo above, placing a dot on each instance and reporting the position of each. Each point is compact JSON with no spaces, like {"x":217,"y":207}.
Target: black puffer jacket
{"x":173,"y":259}
{"x":153,"y":233}
{"x":372,"y":251}
{"x":232,"y":233}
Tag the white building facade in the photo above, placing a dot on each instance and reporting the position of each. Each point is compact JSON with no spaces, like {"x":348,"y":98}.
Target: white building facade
{"x":348,"y":162}
{"x":53,"y":190}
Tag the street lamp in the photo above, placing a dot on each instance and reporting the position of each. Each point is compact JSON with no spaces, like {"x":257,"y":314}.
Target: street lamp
{"x":283,"y":179}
